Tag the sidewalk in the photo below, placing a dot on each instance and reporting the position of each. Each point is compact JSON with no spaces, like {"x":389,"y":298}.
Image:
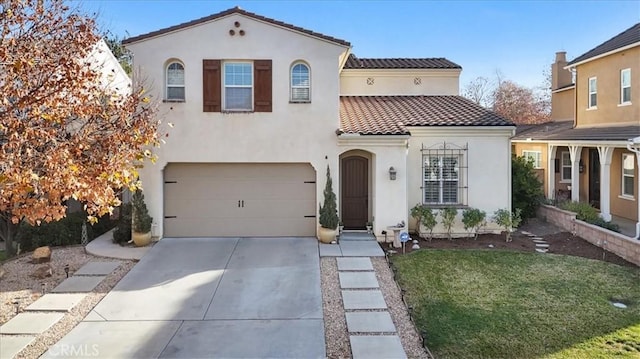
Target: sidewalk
{"x":103,"y":246}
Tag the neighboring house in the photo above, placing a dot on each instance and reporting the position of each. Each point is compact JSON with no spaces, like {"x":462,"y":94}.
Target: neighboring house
{"x":583,"y":154}
{"x":261,"y":108}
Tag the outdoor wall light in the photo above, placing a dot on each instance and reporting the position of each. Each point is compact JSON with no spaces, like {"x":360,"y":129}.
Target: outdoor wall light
{"x":392,"y":173}
{"x":581,"y":166}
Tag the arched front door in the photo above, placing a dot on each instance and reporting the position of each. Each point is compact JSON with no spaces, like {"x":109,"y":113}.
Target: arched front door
{"x":355,"y":192}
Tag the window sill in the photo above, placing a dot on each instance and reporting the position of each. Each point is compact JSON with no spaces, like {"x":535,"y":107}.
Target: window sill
{"x":624,"y":104}
{"x":446,"y":205}
{"x":627,"y":197}
{"x":565,"y":181}
{"x":237,"y":111}
{"x":294,"y":102}
{"x":592,"y":108}
{"x":173,"y":101}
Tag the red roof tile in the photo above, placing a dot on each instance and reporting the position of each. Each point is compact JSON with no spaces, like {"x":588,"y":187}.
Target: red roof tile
{"x":354,"y":62}
{"x":235,"y":10}
{"x":391,"y":115}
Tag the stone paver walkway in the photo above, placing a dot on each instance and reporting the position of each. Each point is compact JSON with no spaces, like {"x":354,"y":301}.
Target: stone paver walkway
{"x":541,"y":245}
{"x":45,"y":312}
{"x":371,"y":330}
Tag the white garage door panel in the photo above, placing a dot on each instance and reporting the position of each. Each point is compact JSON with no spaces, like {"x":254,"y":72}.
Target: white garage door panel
{"x":239,"y":200}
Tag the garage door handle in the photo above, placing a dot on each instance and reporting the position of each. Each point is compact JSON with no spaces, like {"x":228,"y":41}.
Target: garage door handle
{"x":238,"y":203}
{"x":243,"y":203}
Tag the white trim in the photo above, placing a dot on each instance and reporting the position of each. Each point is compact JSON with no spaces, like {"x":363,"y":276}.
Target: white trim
{"x":625,"y":104}
{"x":620,"y":49}
{"x":167,"y":85}
{"x":592,"y":106}
{"x":292,"y":87}
{"x":563,"y":166}
{"x":627,"y":197}
{"x":622,"y":87}
{"x":573,"y":86}
{"x":224,"y":86}
{"x":537,"y":163}
{"x":633,"y":176}
{"x":457,"y":131}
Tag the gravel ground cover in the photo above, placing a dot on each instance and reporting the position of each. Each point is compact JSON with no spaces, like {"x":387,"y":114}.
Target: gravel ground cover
{"x":17,"y":283}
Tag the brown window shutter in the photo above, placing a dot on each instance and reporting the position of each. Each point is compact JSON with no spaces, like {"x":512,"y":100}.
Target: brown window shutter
{"x":262,"y":93}
{"x":211,"y":86}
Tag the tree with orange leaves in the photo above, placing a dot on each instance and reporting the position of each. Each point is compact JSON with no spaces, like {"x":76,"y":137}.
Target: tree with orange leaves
{"x":67,"y":130}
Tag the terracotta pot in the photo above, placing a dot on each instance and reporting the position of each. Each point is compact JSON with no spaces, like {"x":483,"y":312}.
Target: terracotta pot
{"x":141,"y":239}
{"x":326,"y":235}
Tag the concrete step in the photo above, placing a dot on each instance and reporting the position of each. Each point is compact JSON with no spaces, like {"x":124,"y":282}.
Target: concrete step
{"x":356,"y":236}
{"x":376,"y":346}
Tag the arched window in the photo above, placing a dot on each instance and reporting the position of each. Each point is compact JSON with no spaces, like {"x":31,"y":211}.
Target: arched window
{"x":300,"y":83}
{"x":175,"y":82}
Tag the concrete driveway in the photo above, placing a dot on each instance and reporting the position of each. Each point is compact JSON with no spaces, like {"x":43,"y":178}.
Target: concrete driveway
{"x":210,"y":298}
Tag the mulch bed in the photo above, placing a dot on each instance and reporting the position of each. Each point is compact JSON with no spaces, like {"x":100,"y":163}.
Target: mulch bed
{"x":559,"y":243}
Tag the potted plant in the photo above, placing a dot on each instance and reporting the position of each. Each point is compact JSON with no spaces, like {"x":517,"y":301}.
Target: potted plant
{"x":328,"y":213}
{"x":141,"y":221}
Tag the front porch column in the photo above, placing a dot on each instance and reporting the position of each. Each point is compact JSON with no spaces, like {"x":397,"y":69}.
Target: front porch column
{"x":575,"y":152}
{"x":606,"y":154}
{"x":551,"y":171}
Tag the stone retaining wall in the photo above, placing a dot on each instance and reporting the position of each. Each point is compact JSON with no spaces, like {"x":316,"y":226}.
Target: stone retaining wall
{"x":614,"y":242}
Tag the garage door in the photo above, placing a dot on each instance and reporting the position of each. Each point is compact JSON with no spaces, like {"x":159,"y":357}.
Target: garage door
{"x":240,"y":199}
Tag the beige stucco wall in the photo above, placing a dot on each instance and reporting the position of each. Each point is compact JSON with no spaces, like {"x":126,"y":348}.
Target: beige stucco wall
{"x":302,"y":133}
{"x":562,"y":105}
{"x":489,"y":167}
{"x":607,"y":70}
{"x":400,"y":82}
{"x":388,"y":201}
{"x":519,"y":147}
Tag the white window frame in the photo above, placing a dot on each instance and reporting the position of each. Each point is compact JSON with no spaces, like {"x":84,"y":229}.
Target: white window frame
{"x":438,"y":178}
{"x":593,"y":92}
{"x":623,"y":189}
{"x":292,"y":86}
{"x":563,"y":155}
{"x":225,"y":86}
{"x":535,"y":155}
{"x":623,"y":86}
{"x":168,"y":85}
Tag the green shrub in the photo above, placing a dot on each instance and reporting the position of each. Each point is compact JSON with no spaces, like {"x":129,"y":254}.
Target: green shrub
{"x":587,"y":213}
{"x":473,"y":219}
{"x":527,"y":191}
{"x":122,"y":234}
{"x":425,"y":216}
{"x":329,"y":212}
{"x":507,"y":220}
{"x":448,"y":215}
{"x":141,"y":218}
{"x":67,"y":231}
{"x":584,"y":211}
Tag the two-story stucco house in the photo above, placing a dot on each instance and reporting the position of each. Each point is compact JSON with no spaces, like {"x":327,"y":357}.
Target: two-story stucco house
{"x":596,"y":110}
{"x":261,"y":108}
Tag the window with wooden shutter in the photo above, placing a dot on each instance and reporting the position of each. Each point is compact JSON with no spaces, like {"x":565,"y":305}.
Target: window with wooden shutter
{"x":262,"y":101}
{"x":211,"y":86}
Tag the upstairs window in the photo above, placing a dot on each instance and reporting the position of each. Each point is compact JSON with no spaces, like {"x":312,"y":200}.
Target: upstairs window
{"x":238,"y":86}
{"x":535,"y":156}
{"x":593,"y":92}
{"x":625,"y":86}
{"x":300,"y":83}
{"x":175,"y":82}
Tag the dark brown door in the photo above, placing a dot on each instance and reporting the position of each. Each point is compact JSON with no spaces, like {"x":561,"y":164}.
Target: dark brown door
{"x":355,"y":192}
{"x":594,"y":178}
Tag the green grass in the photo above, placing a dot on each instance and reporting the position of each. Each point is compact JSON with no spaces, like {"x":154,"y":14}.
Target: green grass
{"x":499,"y":304}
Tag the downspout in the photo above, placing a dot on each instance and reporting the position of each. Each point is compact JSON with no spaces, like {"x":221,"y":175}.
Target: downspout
{"x":634,"y":146}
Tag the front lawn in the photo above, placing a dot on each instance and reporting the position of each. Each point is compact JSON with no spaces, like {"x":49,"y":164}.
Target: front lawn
{"x":499,"y":304}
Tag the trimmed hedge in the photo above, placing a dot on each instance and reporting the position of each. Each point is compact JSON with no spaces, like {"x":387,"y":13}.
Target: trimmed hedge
{"x":67,"y":231}
{"x":586,"y":212}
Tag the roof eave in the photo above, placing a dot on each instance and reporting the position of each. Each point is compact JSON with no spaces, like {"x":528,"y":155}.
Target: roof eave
{"x":572,"y":64}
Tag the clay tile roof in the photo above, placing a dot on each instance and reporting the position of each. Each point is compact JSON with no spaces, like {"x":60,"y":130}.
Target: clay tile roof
{"x":391,"y":115}
{"x":627,"y":37}
{"x":354,"y":62}
{"x":235,"y":10}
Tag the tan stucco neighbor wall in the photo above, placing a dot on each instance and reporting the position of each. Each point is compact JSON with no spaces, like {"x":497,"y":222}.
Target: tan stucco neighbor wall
{"x":562,"y":105}
{"x":541,"y":147}
{"x":622,"y":206}
{"x":607,"y":71}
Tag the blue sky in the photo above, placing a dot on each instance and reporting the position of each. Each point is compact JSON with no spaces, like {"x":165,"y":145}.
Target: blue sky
{"x":517,"y":38}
